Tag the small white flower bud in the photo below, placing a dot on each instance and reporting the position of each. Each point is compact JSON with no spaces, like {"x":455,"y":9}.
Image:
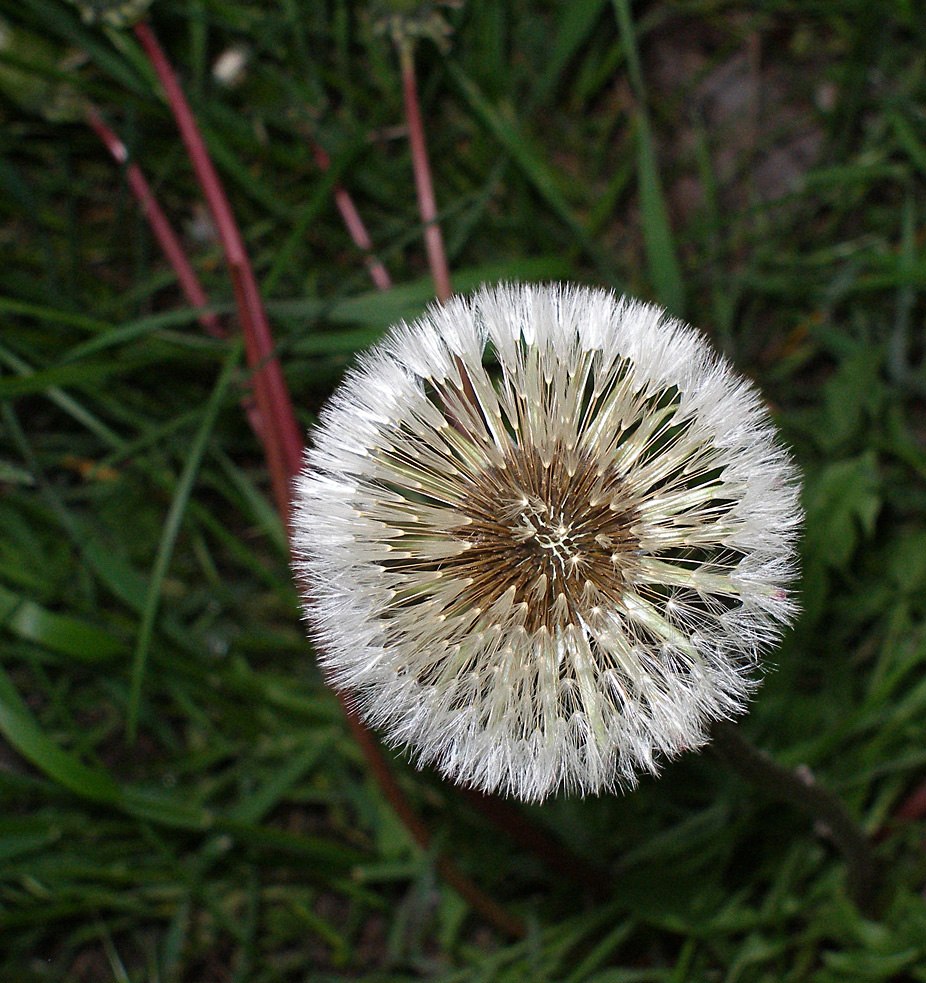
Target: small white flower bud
{"x":230,"y":67}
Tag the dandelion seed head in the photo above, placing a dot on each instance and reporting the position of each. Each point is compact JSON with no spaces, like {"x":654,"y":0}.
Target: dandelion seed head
{"x":544,"y":536}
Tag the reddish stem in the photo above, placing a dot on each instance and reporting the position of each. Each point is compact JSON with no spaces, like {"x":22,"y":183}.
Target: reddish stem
{"x":529,"y":835}
{"x":913,"y":807}
{"x":356,"y":228}
{"x":282,"y":441}
{"x":170,"y":245}
{"x":427,"y":206}
{"x":480,"y":902}
{"x":167,"y":239}
{"x":911,"y":810}
{"x":542,"y":844}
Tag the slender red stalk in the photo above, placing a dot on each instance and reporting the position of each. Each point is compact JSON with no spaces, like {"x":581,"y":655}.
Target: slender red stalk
{"x":283,"y":445}
{"x":480,"y":901}
{"x":354,"y":223}
{"x":282,"y":440}
{"x":427,"y":206}
{"x":529,"y":835}
{"x":167,"y":239}
{"x":537,"y":840}
{"x":911,"y":810}
{"x":913,"y":807}
{"x":170,"y":245}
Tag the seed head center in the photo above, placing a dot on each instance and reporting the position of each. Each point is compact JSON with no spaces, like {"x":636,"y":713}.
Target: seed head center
{"x":552,"y":535}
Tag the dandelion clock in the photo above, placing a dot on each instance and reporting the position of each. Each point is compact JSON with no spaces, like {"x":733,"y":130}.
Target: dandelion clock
{"x":544,"y":535}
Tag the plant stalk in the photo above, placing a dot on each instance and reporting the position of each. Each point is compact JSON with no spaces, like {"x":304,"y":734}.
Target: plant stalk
{"x":427,"y":206}
{"x":281,"y":437}
{"x":355,"y":226}
{"x":803,"y":791}
{"x":167,"y":239}
{"x":170,"y":244}
{"x":530,"y":836}
{"x":481,"y":902}
{"x":281,"y":440}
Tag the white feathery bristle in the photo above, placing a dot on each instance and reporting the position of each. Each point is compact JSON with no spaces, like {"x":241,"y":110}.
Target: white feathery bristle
{"x":544,"y":535}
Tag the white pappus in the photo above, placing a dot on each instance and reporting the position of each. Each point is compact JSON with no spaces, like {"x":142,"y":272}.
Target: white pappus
{"x":544,"y":535}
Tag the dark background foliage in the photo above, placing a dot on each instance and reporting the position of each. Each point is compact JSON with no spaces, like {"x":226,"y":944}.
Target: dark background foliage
{"x":759,"y":168}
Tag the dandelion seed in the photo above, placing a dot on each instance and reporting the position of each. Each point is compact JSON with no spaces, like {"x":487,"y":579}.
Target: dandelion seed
{"x":544,"y":536}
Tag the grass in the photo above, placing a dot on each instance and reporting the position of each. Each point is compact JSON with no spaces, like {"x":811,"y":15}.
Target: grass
{"x":760,"y":170}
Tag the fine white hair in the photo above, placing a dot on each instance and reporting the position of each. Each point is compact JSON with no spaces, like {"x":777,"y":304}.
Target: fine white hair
{"x":544,"y":535}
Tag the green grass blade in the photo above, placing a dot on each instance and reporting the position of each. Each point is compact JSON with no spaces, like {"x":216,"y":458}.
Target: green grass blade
{"x":135,"y":330}
{"x":170,"y":533}
{"x":629,"y":44}
{"x":531,"y":163}
{"x":378,"y":309}
{"x":57,"y":632}
{"x":576,"y":20}
{"x":66,"y":402}
{"x":259,"y":803}
{"x":79,"y":375}
{"x":263,"y":512}
{"x":665,"y":270}
{"x":20,"y":728}
{"x":11,"y":305}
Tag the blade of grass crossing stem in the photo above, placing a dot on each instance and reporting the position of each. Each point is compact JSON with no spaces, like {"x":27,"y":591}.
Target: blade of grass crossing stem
{"x":170,"y":532}
{"x":661,"y":254}
{"x":529,"y":161}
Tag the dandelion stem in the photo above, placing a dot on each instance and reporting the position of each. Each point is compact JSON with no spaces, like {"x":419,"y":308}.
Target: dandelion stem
{"x":427,"y":206}
{"x":170,"y":245}
{"x":530,"y":836}
{"x":538,"y":841}
{"x":480,"y":902}
{"x":804,"y":792}
{"x":355,"y":226}
{"x":167,"y":238}
{"x":281,"y":436}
